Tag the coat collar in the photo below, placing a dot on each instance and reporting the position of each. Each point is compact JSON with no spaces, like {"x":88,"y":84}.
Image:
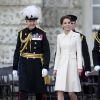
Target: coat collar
{"x":69,"y":34}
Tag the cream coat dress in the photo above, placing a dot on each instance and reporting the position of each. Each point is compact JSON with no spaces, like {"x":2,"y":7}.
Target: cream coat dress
{"x":67,"y":62}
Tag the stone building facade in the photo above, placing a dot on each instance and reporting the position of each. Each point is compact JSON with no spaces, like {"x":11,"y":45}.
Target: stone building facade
{"x":51,"y":11}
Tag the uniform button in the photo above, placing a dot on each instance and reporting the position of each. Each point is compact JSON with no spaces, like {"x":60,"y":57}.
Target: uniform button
{"x":35,"y":42}
{"x":34,"y":47}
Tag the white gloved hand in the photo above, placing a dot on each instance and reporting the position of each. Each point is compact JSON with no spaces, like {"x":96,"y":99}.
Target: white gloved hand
{"x":15,"y":73}
{"x":87,"y":73}
{"x":97,"y":68}
{"x":44,"y":72}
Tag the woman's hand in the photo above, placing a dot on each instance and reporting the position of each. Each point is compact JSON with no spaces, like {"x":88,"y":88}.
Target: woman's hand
{"x":79,"y":71}
{"x":54,"y":72}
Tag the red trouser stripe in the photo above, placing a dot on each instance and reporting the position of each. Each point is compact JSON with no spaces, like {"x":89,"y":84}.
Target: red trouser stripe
{"x":42,"y":97}
{"x":18,"y":96}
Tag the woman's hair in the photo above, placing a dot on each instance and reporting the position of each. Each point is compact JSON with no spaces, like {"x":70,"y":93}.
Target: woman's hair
{"x":64,"y":17}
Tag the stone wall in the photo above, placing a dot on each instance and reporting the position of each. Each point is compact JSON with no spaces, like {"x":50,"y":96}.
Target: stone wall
{"x":11,"y":22}
{"x":52,"y":11}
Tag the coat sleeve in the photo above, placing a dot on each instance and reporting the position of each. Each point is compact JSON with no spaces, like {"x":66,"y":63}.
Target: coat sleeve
{"x":57,"y":56}
{"x":16,"y":54}
{"x":96,"y":53}
{"x":85,"y":54}
{"x":79,"y":52}
{"x":46,"y":52}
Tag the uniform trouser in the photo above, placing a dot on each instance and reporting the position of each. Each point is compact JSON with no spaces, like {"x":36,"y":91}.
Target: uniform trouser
{"x":24,"y":96}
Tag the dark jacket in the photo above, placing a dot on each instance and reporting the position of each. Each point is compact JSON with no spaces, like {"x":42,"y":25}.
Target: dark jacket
{"x":85,"y":53}
{"x":96,"y":58}
{"x":30,"y":69}
{"x":96,"y":51}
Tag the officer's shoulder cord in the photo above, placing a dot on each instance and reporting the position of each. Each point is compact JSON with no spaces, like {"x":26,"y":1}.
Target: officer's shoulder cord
{"x":96,"y":37}
{"x":26,"y":40}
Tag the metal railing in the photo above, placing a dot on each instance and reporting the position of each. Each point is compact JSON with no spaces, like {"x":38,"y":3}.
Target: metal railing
{"x":9,"y":87}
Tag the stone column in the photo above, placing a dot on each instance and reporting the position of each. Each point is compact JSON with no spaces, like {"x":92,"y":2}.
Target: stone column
{"x":87,"y":24}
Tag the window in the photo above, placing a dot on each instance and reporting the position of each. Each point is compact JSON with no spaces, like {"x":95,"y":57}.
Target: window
{"x":96,"y":14}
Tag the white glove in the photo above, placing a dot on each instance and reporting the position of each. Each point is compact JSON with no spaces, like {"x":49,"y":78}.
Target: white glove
{"x":87,"y":73}
{"x":44,"y":72}
{"x":15,"y":73}
{"x":97,"y":68}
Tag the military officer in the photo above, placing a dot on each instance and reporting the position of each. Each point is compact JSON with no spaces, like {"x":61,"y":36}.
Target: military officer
{"x":96,"y":59}
{"x":31,"y":56}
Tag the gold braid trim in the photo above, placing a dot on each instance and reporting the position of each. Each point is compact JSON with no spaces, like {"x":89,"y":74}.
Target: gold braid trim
{"x":96,"y":37}
{"x":26,"y":40}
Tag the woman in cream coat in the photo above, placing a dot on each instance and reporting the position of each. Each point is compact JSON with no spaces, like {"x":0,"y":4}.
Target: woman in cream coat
{"x":68,"y":61}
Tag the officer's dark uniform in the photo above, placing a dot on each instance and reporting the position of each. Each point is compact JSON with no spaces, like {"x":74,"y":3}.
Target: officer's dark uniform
{"x":85,"y":53}
{"x":96,"y":58}
{"x":86,"y":58}
{"x":32,"y":54}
